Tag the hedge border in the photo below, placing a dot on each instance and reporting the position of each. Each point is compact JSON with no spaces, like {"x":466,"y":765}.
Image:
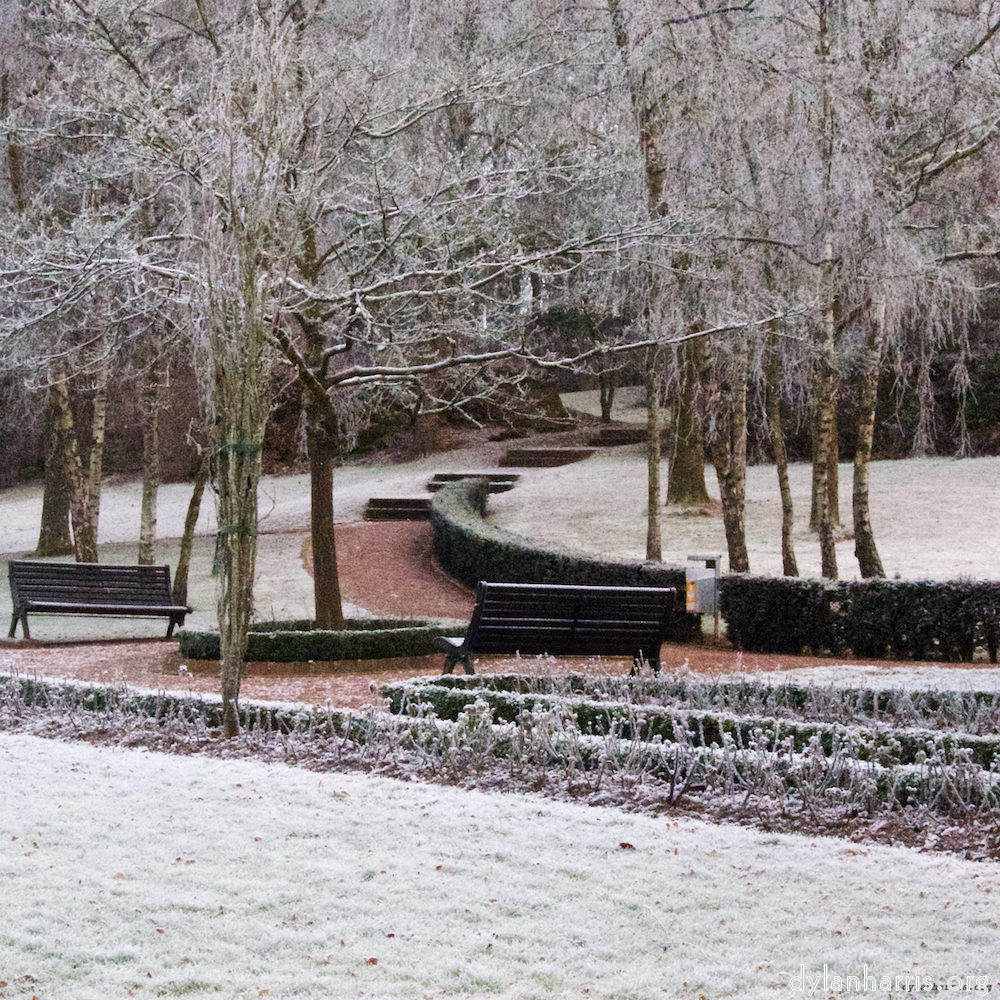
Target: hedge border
{"x":298,"y":642}
{"x":880,"y":619}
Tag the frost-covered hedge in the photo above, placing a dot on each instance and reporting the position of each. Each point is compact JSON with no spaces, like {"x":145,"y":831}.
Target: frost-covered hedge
{"x":634,"y":719}
{"x":298,"y":641}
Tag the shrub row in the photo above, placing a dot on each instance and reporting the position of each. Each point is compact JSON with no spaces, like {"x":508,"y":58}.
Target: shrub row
{"x":298,"y":642}
{"x":895,"y":619}
{"x":472,"y":550}
{"x":163,"y":707}
{"x":968,"y":711}
{"x":700,"y":728}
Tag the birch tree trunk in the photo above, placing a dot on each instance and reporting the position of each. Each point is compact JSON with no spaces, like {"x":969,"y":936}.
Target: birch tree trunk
{"x":241,"y":407}
{"x":864,"y":537}
{"x":83,"y":507}
{"x":150,"y":467}
{"x":826,"y":416}
{"x":686,"y":476}
{"x":729,"y":453}
{"x":789,"y":564}
{"x":190,"y":520}
{"x":85,"y":530}
{"x":654,"y":552}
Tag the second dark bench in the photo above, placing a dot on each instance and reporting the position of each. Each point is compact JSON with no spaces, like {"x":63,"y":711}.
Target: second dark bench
{"x":564,"y":620}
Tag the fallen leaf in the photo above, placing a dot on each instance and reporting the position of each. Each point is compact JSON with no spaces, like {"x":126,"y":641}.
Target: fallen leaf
{"x":626,"y":846}
{"x":371,"y":961}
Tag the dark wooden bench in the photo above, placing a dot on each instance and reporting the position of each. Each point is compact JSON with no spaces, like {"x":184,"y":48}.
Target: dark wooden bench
{"x":59,"y":588}
{"x":538,"y":618}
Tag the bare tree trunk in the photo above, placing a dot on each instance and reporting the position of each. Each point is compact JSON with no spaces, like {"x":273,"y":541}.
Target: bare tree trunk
{"x":686,"y":477}
{"x":85,"y":531}
{"x":190,"y":520}
{"x":833,"y":462}
{"x":864,"y":537}
{"x":654,"y":550}
{"x":826,"y":417}
{"x":789,"y":564}
{"x":150,"y":467}
{"x":729,"y":454}
{"x":607,"y":380}
{"x":54,"y":536}
{"x":321,"y":440}
{"x":239,"y":464}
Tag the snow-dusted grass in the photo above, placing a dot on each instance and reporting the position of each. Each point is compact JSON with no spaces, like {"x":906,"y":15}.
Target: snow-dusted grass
{"x":218,"y":871}
{"x":191,"y":876}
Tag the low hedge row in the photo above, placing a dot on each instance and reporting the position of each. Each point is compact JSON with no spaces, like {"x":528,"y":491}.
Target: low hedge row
{"x":875,"y":619}
{"x":969,"y":711}
{"x":896,"y":619}
{"x":472,"y":550}
{"x":298,"y":642}
{"x":647,"y":723}
{"x":163,"y":707}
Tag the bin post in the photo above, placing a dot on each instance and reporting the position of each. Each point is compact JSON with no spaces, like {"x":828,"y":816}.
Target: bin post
{"x":702,"y":586}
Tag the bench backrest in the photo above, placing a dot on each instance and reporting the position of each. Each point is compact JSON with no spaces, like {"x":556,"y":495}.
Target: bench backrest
{"x":89,"y":583}
{"x":569,"y":620}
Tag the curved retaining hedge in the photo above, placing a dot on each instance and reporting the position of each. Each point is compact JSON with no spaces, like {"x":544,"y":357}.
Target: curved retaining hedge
{"x":472,"y":550}
{"x":871,"y":618}
{"x":298,"y":641}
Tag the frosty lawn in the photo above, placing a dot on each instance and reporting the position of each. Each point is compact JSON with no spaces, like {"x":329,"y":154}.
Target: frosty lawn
{"x":130,"y":873}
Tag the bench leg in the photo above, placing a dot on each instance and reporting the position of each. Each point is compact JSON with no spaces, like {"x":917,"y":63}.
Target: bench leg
{"x":451,"y":659}
{"x":25,"y":634}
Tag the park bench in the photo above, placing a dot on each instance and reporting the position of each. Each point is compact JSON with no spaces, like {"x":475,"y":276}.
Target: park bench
{"x":59,"y":588}
{"x":556,"y":619}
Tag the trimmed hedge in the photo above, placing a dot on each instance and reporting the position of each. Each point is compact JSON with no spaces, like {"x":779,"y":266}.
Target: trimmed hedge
{"x":703,"y":728}
{"x":876,"y":619}
{"x":880,"y":619}
{"x":471,"y":550}
{"x":297,"y":641}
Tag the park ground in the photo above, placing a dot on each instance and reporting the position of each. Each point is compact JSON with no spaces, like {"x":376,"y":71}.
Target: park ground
{"x":214,"y":873}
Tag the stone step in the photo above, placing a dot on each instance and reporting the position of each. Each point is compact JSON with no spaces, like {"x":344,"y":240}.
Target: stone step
{"x":544,"y":458}
{"x":398,"y":509}
{"x":610,"y":437}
